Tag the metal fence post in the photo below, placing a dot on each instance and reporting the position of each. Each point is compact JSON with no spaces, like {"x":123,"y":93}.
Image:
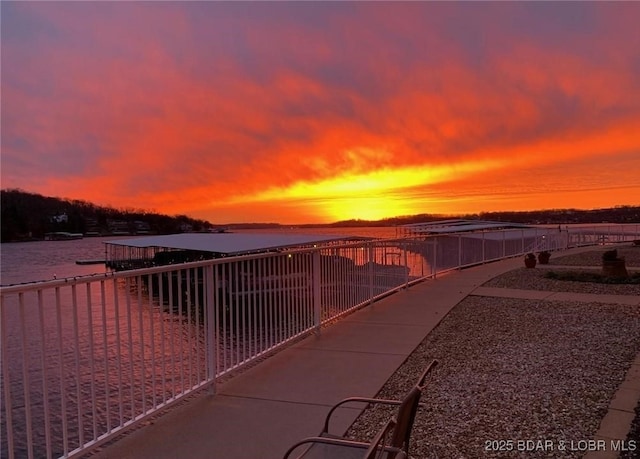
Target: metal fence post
{"x":435,"y":256}
{"x":371,"y":264}
{"x":4,"y":357}
{"x":211,"y":333}
{"x":406,"y":264}
{"x":316,"y":291}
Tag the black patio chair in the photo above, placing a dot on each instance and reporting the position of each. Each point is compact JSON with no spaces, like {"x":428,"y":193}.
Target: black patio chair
{"x":402,"y":421}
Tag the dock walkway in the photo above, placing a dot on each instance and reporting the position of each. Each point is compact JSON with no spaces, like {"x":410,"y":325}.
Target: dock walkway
{"x":264,"y":410}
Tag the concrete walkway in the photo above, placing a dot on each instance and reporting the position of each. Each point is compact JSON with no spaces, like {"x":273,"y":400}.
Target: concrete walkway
{"x":264,"y":410}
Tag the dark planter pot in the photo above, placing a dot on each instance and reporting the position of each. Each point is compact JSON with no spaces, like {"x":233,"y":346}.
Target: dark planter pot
{"x":614,"y":268}
{"x":530,"y":262}
{"x":543,"y":258}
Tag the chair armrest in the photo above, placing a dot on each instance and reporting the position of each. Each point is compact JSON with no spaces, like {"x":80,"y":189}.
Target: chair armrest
{"x":327,"y":441}
{"x":420,"y":385}
{"x":371,"y":450}
{"x":325,"y":428}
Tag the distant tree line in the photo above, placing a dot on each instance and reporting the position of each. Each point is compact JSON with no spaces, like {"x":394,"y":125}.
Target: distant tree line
{"x":619,"y":214}
{"x":26,"y":216}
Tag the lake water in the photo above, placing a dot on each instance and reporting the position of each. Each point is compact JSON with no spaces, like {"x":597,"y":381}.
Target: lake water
{"x":22,"y":262}
{"x":44,"y":260}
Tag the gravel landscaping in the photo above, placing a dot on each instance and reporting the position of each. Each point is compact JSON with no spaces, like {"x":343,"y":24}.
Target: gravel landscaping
{"x":534,"y":279}
{"x":630,"y":253}
{"x":514,"y":370}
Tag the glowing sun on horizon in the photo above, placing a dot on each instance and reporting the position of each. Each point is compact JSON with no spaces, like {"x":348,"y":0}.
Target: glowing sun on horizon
{"x":368,"y":196}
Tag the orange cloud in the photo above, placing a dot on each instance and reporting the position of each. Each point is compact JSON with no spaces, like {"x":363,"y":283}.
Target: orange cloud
{"x":310,"y":112}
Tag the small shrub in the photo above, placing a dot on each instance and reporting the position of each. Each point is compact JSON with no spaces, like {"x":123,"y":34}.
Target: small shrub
{"x":543,"y":257}
{"x":530,"y":260}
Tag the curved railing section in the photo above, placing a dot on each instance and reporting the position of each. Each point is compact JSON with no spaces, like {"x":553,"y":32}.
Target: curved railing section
{"x":85,"y":358}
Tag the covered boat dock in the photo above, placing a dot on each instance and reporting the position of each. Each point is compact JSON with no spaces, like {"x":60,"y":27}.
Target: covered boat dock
{"x":143,"y":252}
{"x":457,"y":226}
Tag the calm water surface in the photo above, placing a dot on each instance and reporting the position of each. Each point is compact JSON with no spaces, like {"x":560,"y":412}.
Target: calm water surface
{"x":45,"y":260}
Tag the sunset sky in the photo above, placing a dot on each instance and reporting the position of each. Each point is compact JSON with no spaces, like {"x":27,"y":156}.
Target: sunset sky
{"x":303,"y":112}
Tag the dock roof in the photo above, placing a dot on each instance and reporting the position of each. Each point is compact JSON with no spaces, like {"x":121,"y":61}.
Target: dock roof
{"x":459,"y":226}
{"x":230,"y":243}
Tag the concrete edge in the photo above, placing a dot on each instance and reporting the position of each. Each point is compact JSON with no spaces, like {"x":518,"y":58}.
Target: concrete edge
{"x":610,"y":439}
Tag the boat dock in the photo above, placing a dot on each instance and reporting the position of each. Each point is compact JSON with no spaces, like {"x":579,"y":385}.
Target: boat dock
{"x":100,"y":261}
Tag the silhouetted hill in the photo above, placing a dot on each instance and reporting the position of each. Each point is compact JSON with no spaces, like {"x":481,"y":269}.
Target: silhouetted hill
{"x":619,"y":214}
{"x":26,"y":216}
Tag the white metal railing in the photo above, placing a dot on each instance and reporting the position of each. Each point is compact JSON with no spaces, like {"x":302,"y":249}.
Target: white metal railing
{"x":85,"y":358}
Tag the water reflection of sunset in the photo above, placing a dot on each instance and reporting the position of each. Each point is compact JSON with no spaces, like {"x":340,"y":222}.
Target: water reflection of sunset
{"x":300,"y":112}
